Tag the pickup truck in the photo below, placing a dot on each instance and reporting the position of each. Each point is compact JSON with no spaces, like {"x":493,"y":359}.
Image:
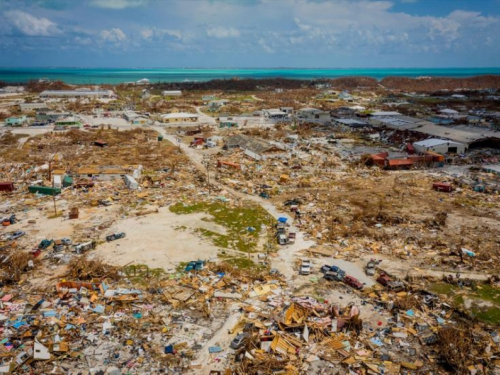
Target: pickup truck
{"x":305,"y":267}
{"x":352,"y":281}
{"x":17,"y":234}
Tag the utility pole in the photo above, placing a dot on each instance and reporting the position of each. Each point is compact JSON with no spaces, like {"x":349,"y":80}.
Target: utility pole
{"x":206,"y":163}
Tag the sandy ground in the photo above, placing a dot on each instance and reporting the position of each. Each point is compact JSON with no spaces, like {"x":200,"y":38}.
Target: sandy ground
{"x":352,"y":269}
{"x":401,"y":269}
{"x":160,"y":240}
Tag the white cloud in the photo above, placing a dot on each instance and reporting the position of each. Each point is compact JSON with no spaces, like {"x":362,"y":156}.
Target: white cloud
{"x":264,"y":46}
{"x":118,"y":4}
{"x":147,"y":33}
{"x":113,"y":35}
{"x":31,"y":25}
{"x":222,"y":32}
{"x":159,"y":34}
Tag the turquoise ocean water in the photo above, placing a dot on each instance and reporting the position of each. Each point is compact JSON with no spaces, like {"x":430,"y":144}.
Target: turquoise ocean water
{"x":114,"y":76}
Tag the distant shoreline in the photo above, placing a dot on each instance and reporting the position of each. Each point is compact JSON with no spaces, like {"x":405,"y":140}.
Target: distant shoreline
{"x":95,"y":76}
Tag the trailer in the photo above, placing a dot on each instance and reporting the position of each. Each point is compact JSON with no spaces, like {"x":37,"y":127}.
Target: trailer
{"x":6,"y":186}
{"x":131,"y":182}
{"x":81,"y":247}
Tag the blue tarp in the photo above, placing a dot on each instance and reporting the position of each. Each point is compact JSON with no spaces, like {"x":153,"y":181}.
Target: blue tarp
{"x":214,"y":349}
{"x":282,"y":219}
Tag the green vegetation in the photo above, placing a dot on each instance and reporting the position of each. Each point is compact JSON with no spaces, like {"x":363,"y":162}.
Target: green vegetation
{"x":142,"y":274}
{"x":478,"y":296}
{"x":243,"y":263}
{"x":235,"y":219}
{"x":490,"y":315}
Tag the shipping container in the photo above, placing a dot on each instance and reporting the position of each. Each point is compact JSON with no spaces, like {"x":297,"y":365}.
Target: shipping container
{"x":57,"y":181}
{"x":436,"y":156}
{"x":6,"y":186}
{"x":442,"y":186}
{"x":44,"y":190}
{"x":67,"y":181}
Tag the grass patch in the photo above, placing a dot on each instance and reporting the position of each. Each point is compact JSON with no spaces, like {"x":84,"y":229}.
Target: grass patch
{"x":488,"y":293}
{"x":244,"y":264}
{"x":490,"y":315}
{"x":181,"y":266}
{"x":142,"y":274}
{"x":483,"y":292}
{"x":235,"y":219}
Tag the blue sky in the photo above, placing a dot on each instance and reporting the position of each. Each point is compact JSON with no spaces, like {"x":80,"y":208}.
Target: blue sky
{"x":250,"y":33}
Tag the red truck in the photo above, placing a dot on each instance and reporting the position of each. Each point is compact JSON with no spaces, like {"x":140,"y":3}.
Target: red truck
{"x":352,"y":281}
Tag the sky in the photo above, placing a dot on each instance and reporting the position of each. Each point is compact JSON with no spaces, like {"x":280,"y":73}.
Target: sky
{"x":249,"y":33}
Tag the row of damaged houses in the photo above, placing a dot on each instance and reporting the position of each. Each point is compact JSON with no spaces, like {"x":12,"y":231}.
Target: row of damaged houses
{"x":255,"y":148}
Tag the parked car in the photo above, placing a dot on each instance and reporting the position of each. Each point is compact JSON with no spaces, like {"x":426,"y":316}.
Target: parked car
{"x":384,"y":279}
{"x":239,"y":340}
{"x":370,"y":268}
{"x":66,"y":242}
{"x":340,"y":271}
{"x":58,"y":245}
{"x":352,"y":281}
{"x":45,"y":244}
{"x":115,"y":236}
{"x":199,"y":264}
{"x":396,"y":286}
{"x":325,"y":268}
{"x":17,"y":234}
{"x":190,"y":267}
{"x":333,"y":276}
{"x":282,"y":239}
{"x":305,"y":267}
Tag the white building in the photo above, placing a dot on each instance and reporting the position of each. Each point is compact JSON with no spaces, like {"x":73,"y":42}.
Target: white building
{"x":450,"y":113}
{"x":12,"y":89}
{"x":143,"y":81}
{"x":171,"y":93}
{"x":440,"y":146}
{"x":77,"y":94}
{"x":274,"y":114}
{"x":313,"y":114}
{"x":179,"y":117}
{"x":384,"y":114}
{"x":27,"y":107}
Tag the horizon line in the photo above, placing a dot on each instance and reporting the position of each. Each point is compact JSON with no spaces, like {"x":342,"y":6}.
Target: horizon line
{"x":235,"y":68}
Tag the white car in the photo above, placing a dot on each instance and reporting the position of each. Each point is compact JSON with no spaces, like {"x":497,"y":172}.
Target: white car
{"x":305,"y":267}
